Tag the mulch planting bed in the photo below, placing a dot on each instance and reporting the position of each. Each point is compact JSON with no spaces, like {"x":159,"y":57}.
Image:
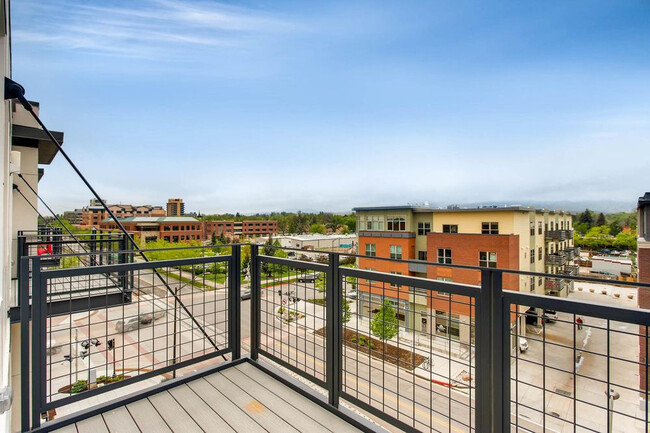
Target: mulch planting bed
{"x":378,"y":349}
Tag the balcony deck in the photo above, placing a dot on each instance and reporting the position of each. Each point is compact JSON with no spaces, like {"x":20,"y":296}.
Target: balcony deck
{"x":238,"y":398}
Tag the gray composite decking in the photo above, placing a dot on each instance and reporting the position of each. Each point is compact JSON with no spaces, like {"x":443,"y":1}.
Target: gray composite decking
{"x":240,"y":398}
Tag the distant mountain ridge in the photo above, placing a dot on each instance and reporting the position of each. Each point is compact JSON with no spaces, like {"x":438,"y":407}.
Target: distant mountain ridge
{"x":606,"y":206}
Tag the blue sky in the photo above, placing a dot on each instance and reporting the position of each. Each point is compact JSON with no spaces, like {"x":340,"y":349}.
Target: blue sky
{"x":280,"y":105}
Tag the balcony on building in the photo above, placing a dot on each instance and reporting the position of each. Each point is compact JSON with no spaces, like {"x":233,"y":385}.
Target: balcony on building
{"x":556,"y":259}
{"x":557,"y":235}
{"x":108,"y":341}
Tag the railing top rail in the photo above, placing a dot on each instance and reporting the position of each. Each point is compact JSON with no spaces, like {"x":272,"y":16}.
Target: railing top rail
{"x":475,"y":268}
{"x":310,"y":266}
{"x":418,"y":282}
{"x":95,"y":253}
{"x":580,"y":307}
{"x":90,"y":270}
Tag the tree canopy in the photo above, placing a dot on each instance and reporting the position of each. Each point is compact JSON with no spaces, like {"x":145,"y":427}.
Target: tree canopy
{"x":384,"y":325}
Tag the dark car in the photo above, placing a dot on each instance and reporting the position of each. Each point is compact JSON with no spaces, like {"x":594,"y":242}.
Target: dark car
{"x":310,"y":278}
{"x":532,"y":318}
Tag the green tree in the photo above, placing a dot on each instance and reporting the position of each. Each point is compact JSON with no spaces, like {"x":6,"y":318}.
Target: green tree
{"x":268,"y":250}
{"x":318,"y":228}
{"x":625,"y":241}
{"x":581,"y":228}
{"x":347,"y":314}
{"x":586,"y":218}
{"x":615,"y":228}
{"x":213,"y":239}
{"x":384,"y":325}
{"x":600,"y":221}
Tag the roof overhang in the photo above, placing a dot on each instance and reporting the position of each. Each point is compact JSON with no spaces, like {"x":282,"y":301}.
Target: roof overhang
{"x":28,"y":136}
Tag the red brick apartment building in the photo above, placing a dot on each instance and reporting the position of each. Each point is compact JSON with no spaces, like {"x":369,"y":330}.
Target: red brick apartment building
{"x":180,"y":229}
{"x":515,"y":237}
{"x":643,"y":262}
{"x":171,"y":229}
{"x":237,"y":229}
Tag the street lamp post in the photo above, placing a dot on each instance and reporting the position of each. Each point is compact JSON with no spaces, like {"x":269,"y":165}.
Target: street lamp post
{"x":612,"y":396}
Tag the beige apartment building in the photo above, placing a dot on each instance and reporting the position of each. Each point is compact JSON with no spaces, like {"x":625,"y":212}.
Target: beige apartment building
{"x":513,"y":237}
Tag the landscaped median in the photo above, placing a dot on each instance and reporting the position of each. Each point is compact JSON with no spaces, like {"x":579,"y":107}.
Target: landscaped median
{"x":378,"y":349}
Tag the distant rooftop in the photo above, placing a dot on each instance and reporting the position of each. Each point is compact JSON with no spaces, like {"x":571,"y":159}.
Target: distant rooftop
{"x":172,"y":219}
{"x":316,"y":237}
{"x":454,"y":208}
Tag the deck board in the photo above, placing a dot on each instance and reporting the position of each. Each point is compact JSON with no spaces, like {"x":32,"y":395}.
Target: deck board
{"x":239,"y":398}
{"x":199,"y":410}
{"x":275,"y":403}
{"x":295,"y":400}
{"x":232,"y":414}
{"x":173,"y":414}
{"x":93,"y":424}
{"x":67,"y":429}
{"x":120,"y":420}
{"x":146,"y":416}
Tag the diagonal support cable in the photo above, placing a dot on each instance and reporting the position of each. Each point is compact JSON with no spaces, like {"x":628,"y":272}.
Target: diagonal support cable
{"x":17,"y":92}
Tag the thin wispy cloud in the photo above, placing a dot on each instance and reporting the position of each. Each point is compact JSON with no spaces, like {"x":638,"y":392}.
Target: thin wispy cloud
{"x":153,"y":29}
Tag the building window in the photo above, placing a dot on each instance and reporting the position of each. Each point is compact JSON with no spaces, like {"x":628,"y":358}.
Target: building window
{"x":540,"y":229}
{"x":371,"y":250}
{"x":487,"y":259}
{"x":395,"y":273}
{"x":490,"y":228}
{"x":532,"y":255}
{"x":396,"y":252}
{"x":450,"y":228}
{"x":540,"y":253}
{"x":424,"y":229}
{"x":371,"y":282}
{"x":444,"y":256}
{"x":532,"y":228}
{"x":443,"y":279}
{"x":422,"y":255}
{"x":375,"y":223}
{"x":396,"y":224}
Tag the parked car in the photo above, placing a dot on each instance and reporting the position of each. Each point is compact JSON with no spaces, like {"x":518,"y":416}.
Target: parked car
{"x":551,"y":315}
{"x":352,"y":295}
{"x":532,"y":318}
{"x":245,"y":294}
{"x":129,"y":325}
{"x":134,"y":323}
{"x":309,"y":278}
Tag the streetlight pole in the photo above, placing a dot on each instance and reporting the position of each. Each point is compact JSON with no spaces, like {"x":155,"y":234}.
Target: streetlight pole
{"x":612,"y":396}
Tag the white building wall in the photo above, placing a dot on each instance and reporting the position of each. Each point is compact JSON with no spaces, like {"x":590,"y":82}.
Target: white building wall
{"x":5,"y":216}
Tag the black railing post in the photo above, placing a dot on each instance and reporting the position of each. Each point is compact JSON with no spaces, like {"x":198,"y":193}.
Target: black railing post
{"x":333,"y":329}
{"x":38,"y":310}
{"x":234,"y":297}
{"x":123,"y":245}
{"x":20,"y":253}
{"x":490,"y":363}
{"x":93,"y":259}
{"x":23,"y":285}
{"x":256,"y":301}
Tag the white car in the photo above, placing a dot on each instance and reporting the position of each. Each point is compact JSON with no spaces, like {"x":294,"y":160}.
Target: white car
{"x":523,"y":344}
